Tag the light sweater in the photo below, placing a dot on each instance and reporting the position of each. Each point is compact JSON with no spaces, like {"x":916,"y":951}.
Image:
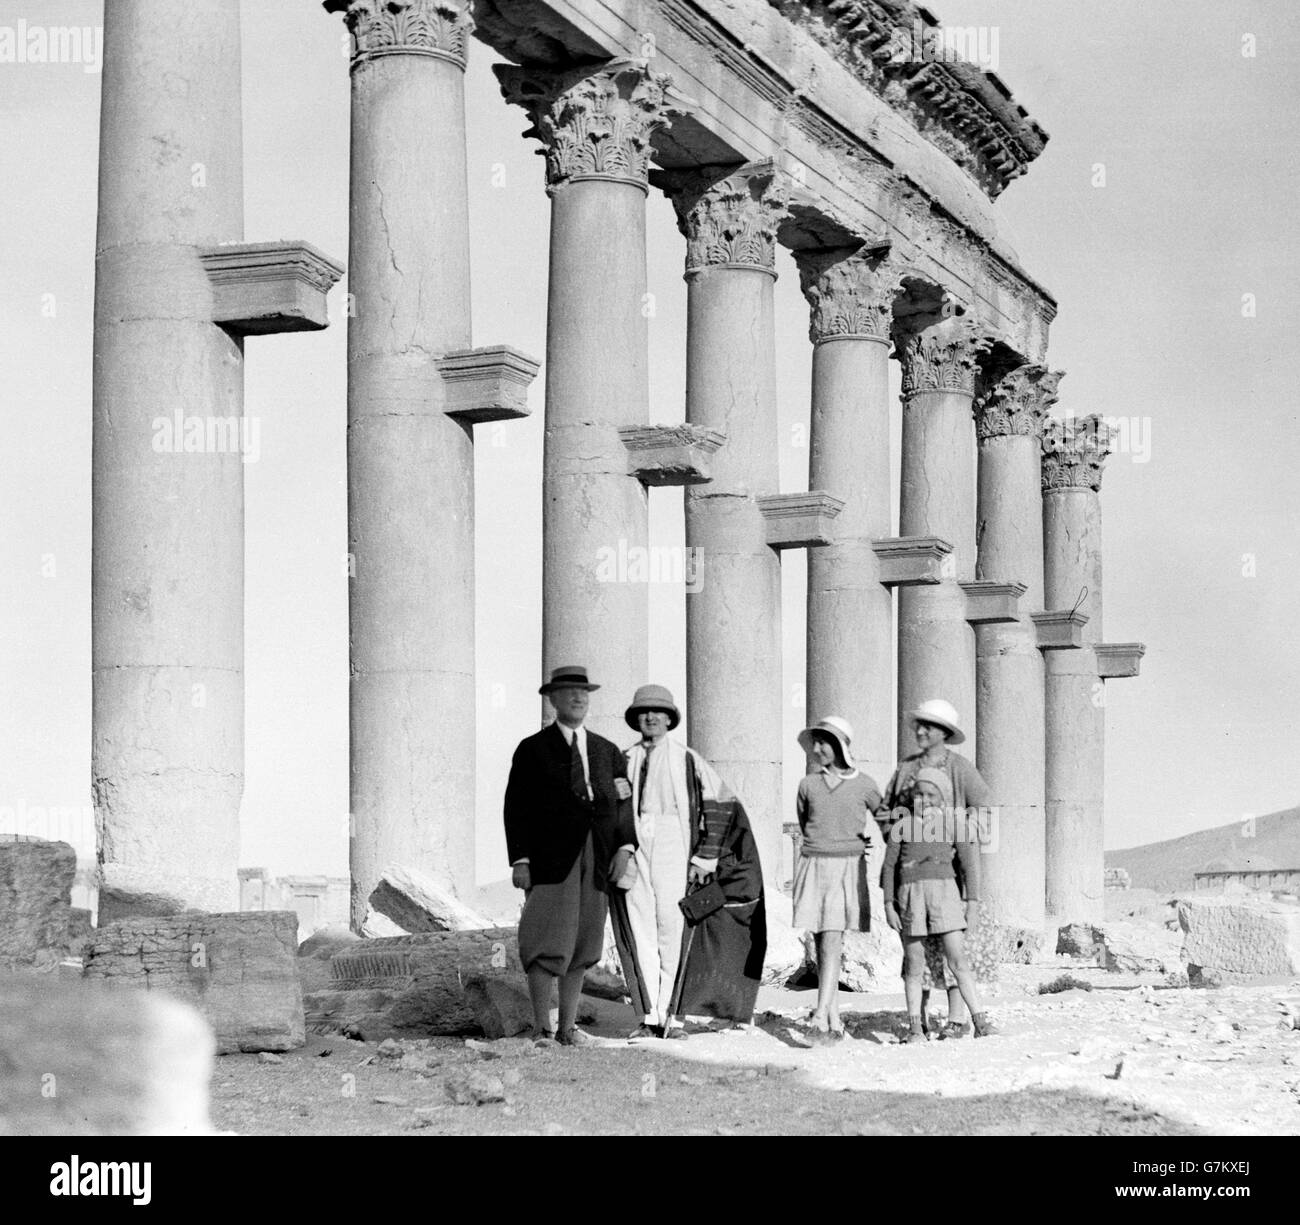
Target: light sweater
{"x":837,"y":822}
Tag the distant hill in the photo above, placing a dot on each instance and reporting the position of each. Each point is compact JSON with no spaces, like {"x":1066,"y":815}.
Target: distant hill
{"x":1172,"y":864}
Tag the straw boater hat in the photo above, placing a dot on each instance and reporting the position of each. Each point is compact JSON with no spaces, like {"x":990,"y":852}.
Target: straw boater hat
{"x":652,"y":697}
{"x":941,"y":714}
{"x":838,"y":729}
{"x":572,"y":677}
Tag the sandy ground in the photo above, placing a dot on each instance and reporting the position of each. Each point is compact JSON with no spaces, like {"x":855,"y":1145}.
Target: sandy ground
{"x":1129,"y":1057}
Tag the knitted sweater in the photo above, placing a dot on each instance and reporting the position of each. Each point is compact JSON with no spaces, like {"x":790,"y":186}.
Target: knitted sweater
{"x":836,"y":821}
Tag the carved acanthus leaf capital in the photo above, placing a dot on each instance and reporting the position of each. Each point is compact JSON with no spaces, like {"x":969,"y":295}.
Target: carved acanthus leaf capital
{"x":440,"y":28}
{"x":593,"y":122}
{"x":941,"y":357}
{"x":1017,"y":403}
{"x":851,"y":294}
{"x":729,"y":216}
{"x":1075,"y":451}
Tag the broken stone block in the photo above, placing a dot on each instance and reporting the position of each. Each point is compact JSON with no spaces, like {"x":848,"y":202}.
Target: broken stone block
{"x":868,"y":959}
{"x":79,"y":1060}
{"x":475,"y":1088}
{"x":786,"y":955}
{"x":502,"y":1006}
{"x":314,"y":955}
{"x":80,"y":929}
{"x":118,"y":901}
{"x":1134,"y":949}
{"x":603,"y":984}
{"x":1240,"y":937}
{"x":35,"y":903}
{"x":377,"y":926}
{"x":416,"y":902}
{"x":237,"y":969}
{"x":409,"y":986}
{"x":1078,"y":940}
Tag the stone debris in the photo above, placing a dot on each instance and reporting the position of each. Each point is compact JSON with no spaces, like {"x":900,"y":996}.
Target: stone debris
{"x":1133,"y":948}
{"x":416,"y":902}
{"x":35,"y":904}
{"x":501,"y":1006}
{"x":77,"y":1059}
{"x":475,"y":1088}
{"x":236,"y":969}
{"x":269,"y":1057}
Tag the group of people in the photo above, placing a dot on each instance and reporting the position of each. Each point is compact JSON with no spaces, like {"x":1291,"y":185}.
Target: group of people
{"x":652,"y":838}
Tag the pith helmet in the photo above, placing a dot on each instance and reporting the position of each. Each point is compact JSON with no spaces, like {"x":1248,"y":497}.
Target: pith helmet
{"x":941,"y":714}
{"x":652,"y":697}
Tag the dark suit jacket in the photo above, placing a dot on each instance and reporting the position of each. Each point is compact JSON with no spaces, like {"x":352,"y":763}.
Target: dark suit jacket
{"x":548,"y":824}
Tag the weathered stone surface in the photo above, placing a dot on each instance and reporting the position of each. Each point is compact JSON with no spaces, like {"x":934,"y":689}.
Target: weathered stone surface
{"x":378,"y":926}
{"x":79,"y":1060}
{"x":1137,"y":949}
{"x":786,"y":953}
{"x":117,"y":901}
{"x":237,"y":969}
{"x":416,"y":902}
{"x":413,"y":985}
{"x":501,"y":1005}
{"x":871,"y":961}
{"x":604,"y":984}
{"x":80,"y":929}
{"x":314,"y":955}
{"x":1225,"y":938}
{"x":35,"y":903}
{"x":1078,"y":940}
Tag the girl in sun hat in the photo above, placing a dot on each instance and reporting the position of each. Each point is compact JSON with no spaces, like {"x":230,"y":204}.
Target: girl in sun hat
{"x":835,"y":806}
{"x":939,"y":892}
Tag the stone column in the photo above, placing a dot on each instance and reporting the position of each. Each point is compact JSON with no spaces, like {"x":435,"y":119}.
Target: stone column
{"x":1074,"y":452}
{"x":410,"y":464}
{"x":1009,"y":665}
{"x":936,"y":646}
{"x":733,"y":621}
{"x":595,"y":124}
{"x":850,"y":670}
{"x":167,"y":522}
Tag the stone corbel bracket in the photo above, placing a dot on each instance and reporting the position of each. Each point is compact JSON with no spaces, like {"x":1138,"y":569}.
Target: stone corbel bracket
{"x":488,"y":384}
{"x":988,"y":603}
{"x":1060,"y":629}
{"x":671,"y":454}
{"x":260,"y":288}
{"x":800,"y":520}
{"x":911,"y":561}
{"x":1118,"y":659}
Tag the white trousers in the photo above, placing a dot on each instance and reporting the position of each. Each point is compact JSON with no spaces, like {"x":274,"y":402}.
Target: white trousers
{"x":657,"y":923}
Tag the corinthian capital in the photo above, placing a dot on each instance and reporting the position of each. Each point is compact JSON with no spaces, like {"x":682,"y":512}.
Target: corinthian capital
{"x":595,"y":122}
{"x":851,"y":294}
{"x":941,"y":357}
{"x":729,"y":216}
{"x":1074,"y":452}
{"x":440,"y":28}
{"x":1017,"y":403}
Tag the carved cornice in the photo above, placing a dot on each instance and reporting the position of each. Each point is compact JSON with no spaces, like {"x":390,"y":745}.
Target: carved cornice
{"x":898,"y":49}
{"x":941,"y":357}
{"x":1074,"y":452}
{"x":1017,"y":403}
{"x":440,"y":28}
{"x":851,"y":294}
{"x":593,"y":122}
{"x":729,"y":216}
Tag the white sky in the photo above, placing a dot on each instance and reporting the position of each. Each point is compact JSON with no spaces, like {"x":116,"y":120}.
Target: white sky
{"x":1150,"y":270}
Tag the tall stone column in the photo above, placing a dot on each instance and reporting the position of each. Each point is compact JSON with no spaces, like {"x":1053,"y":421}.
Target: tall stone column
{"x":1074,"y":452}
{"x":410,"y":464}
{"x":733,"y":621}
{"x":936,"y":645}
{"x":595,"y":124}
{"x":167,"y":566}
{"x":850,"y":667}
{"x":1009,"y":665}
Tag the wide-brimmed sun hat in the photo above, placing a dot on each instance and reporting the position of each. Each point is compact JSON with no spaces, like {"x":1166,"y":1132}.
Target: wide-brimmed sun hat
{"x":572,"y":677}
{"x":652,"y":697}
{"x":941,"y":714}
{"x":840,"y":730}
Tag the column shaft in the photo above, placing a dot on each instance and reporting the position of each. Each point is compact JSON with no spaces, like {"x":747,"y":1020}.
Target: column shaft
{"x":167,"y":579}
{"x":1075,"y":708}
{"x":410,"y":466}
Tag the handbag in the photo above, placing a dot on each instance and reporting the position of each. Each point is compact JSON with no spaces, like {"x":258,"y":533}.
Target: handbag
{"x":702,"y":902}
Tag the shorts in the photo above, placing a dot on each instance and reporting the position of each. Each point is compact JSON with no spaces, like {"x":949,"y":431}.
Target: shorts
{"x":931,"y":907}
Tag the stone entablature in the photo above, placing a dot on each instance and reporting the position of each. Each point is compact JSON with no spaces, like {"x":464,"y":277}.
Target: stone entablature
{"x":593,"y":122}
{"x":762,"y":87}
{"x":896,"y":48}
{"x":1017,"y":403}
{"x":1074,"y":452}
{"x":439,"y":28}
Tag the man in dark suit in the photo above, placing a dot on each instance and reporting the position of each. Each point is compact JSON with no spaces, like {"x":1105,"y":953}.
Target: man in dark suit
{"x":570,"y":833}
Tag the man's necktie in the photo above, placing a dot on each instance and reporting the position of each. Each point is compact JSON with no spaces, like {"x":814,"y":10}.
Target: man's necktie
{"x":577,"y":775}
{"x":640,"y":786}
